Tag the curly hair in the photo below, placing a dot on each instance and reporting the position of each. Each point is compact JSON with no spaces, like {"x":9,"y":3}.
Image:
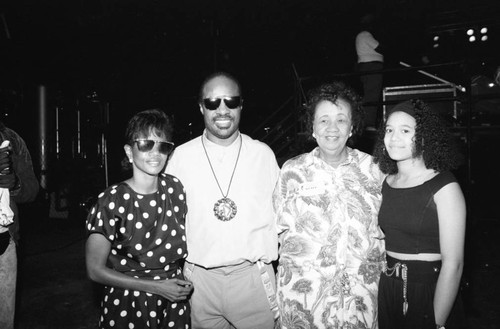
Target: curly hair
{"x":332,"y":92}
{"x":432,"y":141}
{"x":142,"y":124}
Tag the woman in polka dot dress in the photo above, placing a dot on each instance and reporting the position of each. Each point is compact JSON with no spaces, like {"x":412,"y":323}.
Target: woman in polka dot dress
{"x":136,"y":236}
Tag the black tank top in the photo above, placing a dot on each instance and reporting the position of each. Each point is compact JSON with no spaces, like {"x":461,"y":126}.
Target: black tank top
{"x":408,"y":216}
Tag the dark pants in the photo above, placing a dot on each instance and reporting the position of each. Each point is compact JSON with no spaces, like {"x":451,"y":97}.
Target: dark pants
{"x":372,"y":91}
{"x":422,"y":279}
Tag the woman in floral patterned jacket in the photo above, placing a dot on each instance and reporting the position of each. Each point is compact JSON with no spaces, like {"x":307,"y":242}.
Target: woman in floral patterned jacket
{"x":332,"y":248}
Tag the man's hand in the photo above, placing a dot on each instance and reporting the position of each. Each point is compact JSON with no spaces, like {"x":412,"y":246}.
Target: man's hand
{"x":7,"y":174}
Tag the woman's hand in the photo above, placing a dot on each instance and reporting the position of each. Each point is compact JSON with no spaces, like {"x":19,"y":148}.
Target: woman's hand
{"x":97,"y":252}
{"x":174,"y":289}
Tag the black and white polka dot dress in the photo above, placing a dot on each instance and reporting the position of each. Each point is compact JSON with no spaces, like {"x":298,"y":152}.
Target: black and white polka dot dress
{"x":148,"y":241}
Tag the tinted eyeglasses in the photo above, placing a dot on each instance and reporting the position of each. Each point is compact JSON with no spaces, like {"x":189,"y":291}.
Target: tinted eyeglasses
{"x":214,"y":103}
{"x":146,"y":145}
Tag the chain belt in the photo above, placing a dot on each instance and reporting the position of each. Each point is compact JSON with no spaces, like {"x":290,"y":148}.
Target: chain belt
{"x":397,"y":268}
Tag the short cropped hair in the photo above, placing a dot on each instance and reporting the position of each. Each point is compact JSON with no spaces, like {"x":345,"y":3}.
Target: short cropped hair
{"x":149,"y":121}
{"x":153,"y":121}
{"x":216,"y":75}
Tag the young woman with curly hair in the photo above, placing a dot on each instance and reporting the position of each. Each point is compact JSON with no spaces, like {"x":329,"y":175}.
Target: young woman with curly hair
{"x":423,"y":217}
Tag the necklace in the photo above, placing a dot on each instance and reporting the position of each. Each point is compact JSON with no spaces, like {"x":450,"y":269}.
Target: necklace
{"x":224,"y":209}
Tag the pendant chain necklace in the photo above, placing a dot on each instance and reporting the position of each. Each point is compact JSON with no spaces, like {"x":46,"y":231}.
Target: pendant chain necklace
{"x":224,"y":209}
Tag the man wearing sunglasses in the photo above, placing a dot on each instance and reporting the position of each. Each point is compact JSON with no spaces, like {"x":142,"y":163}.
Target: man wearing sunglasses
{"x":231,"y":236}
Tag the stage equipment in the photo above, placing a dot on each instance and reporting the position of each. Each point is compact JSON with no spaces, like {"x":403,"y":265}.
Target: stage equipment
{"x":42,"y":119}
{"x":441,"y":97}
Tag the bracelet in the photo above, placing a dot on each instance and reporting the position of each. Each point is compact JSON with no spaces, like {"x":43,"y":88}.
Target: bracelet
{"x":440,"y":326}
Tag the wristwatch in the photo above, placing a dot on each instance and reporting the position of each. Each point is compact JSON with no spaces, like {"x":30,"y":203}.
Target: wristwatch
{"x":440,"y":326}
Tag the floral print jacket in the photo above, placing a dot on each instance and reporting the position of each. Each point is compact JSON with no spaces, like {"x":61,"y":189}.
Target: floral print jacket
{"x":332,"y":249}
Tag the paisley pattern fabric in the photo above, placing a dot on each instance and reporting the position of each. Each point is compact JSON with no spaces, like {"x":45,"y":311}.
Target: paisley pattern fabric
{"x":332,"y":249}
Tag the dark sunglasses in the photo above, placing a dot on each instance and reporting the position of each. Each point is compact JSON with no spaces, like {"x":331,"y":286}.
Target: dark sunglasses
{"x":146,"y":145}
{"x":214,"y":103}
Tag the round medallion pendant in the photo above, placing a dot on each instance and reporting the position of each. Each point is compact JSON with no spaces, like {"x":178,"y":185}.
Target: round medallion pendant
{"x":225,"y":209}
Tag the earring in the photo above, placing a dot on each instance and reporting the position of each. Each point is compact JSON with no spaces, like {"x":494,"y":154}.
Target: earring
{"x":314,"y":135}
{"x":130,"y":160}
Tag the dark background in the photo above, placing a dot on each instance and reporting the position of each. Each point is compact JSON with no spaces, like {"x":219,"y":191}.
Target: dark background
{"x":139,"y":54}
{"x":101,"y":61}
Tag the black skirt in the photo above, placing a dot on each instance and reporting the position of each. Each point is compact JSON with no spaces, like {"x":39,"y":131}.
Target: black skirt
{"x":421,"y":284}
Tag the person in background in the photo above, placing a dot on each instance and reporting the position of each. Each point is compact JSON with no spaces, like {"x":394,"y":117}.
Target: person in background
{"x":327,"y":201}
{"x":423,"y":217}
{"x":18,"y":184}
{"x":370,"y":58}
{"x":136,"y":241}
{"x":232,"y":238}
{"x":497,"y":76}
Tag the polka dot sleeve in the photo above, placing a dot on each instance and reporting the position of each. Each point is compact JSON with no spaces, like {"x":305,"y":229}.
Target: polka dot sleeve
{"x":103,"y":216}
{"x":177,"y":195}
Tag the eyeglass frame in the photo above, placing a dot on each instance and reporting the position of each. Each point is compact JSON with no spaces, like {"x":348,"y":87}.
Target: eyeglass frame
{"x":137,"y":141}
{"x":218,"y":102}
